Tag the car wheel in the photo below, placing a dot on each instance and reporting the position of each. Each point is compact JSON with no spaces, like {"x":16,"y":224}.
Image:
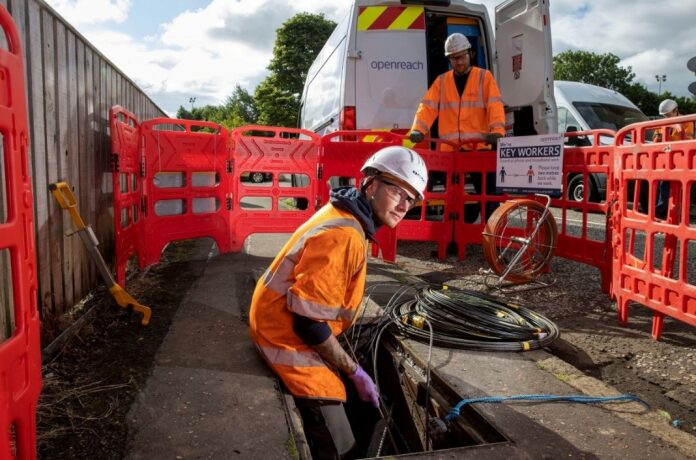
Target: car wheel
{"x":576,"y":188}
{"x":256,"y":177}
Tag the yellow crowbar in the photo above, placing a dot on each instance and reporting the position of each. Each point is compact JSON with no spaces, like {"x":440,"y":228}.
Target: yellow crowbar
{"x":61,"y":191}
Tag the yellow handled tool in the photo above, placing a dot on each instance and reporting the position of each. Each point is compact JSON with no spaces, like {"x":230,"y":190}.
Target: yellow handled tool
{"x":62,"y":193}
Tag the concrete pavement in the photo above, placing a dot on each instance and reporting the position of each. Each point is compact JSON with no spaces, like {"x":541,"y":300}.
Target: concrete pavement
{"x":211,"y":396}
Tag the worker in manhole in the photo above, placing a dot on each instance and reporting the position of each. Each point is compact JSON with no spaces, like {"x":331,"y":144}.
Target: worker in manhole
{"x":312,"y":291}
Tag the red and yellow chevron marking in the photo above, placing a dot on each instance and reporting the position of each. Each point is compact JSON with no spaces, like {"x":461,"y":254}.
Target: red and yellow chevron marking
{"x":391,"y":18}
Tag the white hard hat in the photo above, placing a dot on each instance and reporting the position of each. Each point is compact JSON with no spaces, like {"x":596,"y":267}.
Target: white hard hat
{"x":456,"y":43}
{"x":402,"y":163}
{"x":667,"y":106}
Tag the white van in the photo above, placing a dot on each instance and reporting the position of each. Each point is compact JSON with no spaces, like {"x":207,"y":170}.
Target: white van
{"x":381,"y":58}
{"x":582,"y":107}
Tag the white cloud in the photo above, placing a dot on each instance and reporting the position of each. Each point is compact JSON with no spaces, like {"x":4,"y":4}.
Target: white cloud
{"x":82,"y":12}
{"x":207,"y":51}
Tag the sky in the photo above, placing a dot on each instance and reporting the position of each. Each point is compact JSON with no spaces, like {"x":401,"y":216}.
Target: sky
{"x":176,"y":50}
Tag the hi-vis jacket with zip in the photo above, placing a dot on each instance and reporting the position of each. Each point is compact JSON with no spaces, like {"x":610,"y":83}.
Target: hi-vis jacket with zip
{"x":319,"y":273}
{"x":478,"y":112}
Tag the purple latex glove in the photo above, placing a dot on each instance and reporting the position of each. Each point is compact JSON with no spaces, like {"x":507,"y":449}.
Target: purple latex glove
{"x":365,"y":386}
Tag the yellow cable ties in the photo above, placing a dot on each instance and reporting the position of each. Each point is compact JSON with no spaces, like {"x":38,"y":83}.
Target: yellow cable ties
{"x":418,"y":321}
{"x":526,"y":346}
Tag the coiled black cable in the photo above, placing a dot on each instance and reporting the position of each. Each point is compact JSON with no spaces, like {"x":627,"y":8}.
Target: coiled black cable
{"x":472,"y":320}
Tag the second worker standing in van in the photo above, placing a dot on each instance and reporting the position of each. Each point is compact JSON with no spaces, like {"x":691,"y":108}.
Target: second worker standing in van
{"x":465,"y":100}
{"x":467,"y":103}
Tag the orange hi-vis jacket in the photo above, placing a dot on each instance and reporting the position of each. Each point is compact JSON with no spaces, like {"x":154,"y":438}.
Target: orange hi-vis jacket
{"x":319,"y":273}
{"x":676,"y":132}
{"x":478,"y":112}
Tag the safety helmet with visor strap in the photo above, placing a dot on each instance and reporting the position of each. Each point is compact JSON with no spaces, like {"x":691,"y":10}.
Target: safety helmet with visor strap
{"x":667,"y":106}
{"x":455,"y":43}
{"x":401,"y":163}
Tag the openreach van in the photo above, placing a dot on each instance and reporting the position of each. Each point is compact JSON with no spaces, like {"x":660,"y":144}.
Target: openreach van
{"x":582,"y":107}
{"x":383,"y":55}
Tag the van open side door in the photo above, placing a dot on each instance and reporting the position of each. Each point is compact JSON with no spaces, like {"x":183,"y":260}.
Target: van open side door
{"x":524,"y":64}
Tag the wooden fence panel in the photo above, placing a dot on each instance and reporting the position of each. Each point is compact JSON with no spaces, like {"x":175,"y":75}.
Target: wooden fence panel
{"x":70,"y":89}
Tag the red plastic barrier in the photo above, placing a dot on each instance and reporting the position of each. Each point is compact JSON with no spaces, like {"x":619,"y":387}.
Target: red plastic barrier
{"x":343,"y":153}
{"x":285,"y":197}
{"x":652,"y":254}
{"x":468,"y":202}
{"x":20,"y":355}
{"x":127,"y":183}
{"x":186,"y":184}
{"x":591,"y":246}
{"x":432,"y":220}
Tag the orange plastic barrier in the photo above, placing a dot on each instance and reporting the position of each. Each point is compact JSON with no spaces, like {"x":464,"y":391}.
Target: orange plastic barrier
{"x":185,"y":193}
{"x":20,"y":355}
{"x":582,"y":165}
{"x":432,"y":219}
{"x":343,"y":153}
{"x":471,"y":201}
{"x":652,"y":250}
{"x":127,"y":185}
{"x":285,"y":197}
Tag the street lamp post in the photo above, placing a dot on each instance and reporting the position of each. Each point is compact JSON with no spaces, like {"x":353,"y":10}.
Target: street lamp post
{"x":193,"y":99}
{"x":660,"y":79}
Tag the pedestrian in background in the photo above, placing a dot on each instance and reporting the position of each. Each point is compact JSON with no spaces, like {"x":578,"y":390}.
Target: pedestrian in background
{"x":675,"y":132}
{"x":313,"y":290}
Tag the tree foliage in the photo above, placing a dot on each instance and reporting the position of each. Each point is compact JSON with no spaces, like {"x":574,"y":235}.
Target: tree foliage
{"x":276,"y":100}
{"x":596,"y":69}
{"x":604,"y":70}
{"x":239,"y":109}
{"x":298,"y":41}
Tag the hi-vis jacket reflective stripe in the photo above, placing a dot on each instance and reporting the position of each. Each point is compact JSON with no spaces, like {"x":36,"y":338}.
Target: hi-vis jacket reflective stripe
{"x":479,"y":111}
{"x":319,"y":273}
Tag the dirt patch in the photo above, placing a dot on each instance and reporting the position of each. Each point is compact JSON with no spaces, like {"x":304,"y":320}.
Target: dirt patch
{"x":90,"y":384}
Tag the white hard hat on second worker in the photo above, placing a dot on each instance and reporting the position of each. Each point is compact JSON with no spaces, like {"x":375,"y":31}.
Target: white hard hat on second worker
{"x":401,"y":163}
{"x":667,"y":106}
{"x":456,"y":43}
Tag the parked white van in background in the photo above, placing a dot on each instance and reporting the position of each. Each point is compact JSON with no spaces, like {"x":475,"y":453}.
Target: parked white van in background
{"x":582,"y":107}
{"x":381,"y":58}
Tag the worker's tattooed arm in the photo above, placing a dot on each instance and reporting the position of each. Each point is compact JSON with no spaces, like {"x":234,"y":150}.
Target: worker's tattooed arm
{"x":332,"y":352}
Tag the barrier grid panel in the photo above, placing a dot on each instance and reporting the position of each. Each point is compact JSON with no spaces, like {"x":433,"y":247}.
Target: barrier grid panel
{"x":127,"y":187}
{"x":431,"y":220}
{"x":654,"y":231}
{"x":273,"y":180}
{"x":185,"y":193}
{"x":343,"y":153}
{"x":20,"y":354}
{"x":584,"y":233}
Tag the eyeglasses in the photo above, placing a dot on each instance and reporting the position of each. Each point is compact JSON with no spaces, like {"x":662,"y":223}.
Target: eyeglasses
{"x":398,"y":194}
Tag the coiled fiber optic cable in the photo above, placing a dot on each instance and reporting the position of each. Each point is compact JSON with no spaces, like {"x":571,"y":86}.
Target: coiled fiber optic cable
{"x":472,"y":320}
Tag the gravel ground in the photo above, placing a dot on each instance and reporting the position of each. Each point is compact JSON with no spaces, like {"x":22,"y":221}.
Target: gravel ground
{"x":663,"y":373}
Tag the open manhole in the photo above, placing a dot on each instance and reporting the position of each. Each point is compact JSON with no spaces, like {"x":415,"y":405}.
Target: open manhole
{"x":413,"y":418}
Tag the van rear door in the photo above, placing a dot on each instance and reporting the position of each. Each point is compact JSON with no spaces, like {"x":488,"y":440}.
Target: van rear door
{"x":524,"y":61}
{"x":391,"y":66}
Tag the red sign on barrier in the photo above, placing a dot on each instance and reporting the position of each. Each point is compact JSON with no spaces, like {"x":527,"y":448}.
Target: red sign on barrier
{"x":127,"y":186}
{"x":653,"y":231}
{"x":20,"y":354}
